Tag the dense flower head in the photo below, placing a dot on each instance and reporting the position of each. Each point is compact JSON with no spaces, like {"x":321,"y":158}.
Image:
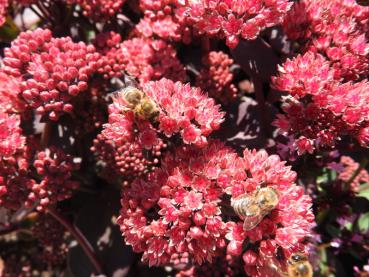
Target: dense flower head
{"x":185,"y":110}
{"x":51,"y":70}
{"x":216,"y":77}
{"x":234,"y":20}
{"x":164,"y":19}
{"x":3,"y":6}
{"x":312,"y":127}
{"x":15,"y":182}
{"x":54,"y":246}
{"x":105,"y":41}
{"x":55,"y":169}
{"x":322,"y":110}
{"x":305,"y":74}
{"x":151,"y":7}
{"x":104,"y":95}
{"x":131,"y":144}
{"x":121,"y":152}
{"x":9,"y":93}
{"x":176,"y":209}
{"x":181,"y":209}
{"x":144,"y":59}
{"x":99,"y":10}
{"x":42,"y":245}
{"x":349,"y":168}
{"x":91,"y":110}
{"x":40,"y":179}
{"x":284,"y":229}
{"x":318,"y":17}
{"x":11,"y":138}
{"x":337,"y":29}
{"x":164,"y":28}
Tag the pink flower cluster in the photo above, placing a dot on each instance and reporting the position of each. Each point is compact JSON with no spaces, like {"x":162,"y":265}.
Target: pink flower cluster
{"x":183,"y":207}
{"x":305,"y":74}
{"x":105,"y":41}
{"x":121,"y":151}
{"x":233,"y":19}
{"x":337,"y":29}
{"x":15,"y":183}
{"x":177,"y":208}
{"x":131,"y":144}
{"x":144,"y":59}
{"x":349,"y":169}
{"x":41,"y":183}
{"x":3,"y":7}
{"x":55,"y":169}
{"x":185,"y":110}
{"x":99,"y":10}
{"x":284,"y":229}
{"x":11,"y":139}
{"x":164,"y":19}
{"x":51,"y":71}
{"x":322,"y":110}
{"x":54,"y":246}
{"x":92,"y":105}
{"x":216,"y":77}
{"x":9,"y":93}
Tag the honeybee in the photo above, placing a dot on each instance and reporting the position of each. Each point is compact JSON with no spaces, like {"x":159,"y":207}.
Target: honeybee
{"x":137,"y":101}
{"x":255,"y":206}
{"x":298,"y":265}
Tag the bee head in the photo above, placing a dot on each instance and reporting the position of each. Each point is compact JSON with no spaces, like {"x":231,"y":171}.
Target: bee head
{"x":303,"y":269}
{"x":296,"y":258}
{"x":148,"y":108}
{"x":132,"y":95}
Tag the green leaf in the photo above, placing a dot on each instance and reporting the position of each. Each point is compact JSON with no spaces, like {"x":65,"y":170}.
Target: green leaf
{"x":8,"y":31}
{"x":323,"y":263}
{"x":363,"y":222}
{"x":324,"y":177}
{"x":364,"y":192}
{"x":328,"y":175}
{"x":348,"y":226}
{"x":333,"y":231}
{"x":321,"y":216}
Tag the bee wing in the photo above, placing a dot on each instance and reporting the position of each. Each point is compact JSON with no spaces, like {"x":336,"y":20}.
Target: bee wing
{"x":130,"y":81}
{"x":271,"y":267}
{"x":118,"y":98}
{"x":250,"y":222}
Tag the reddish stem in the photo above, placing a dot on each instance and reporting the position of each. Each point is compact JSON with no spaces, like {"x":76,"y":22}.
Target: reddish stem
{"x":9,"y":229}
{"x":205,"y":44}
{"x":37,"y":13}
{"x":44,"y":11}
{"x":45,"y":137}
{"x":83,"y":242}
{"x":263,"y":108}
